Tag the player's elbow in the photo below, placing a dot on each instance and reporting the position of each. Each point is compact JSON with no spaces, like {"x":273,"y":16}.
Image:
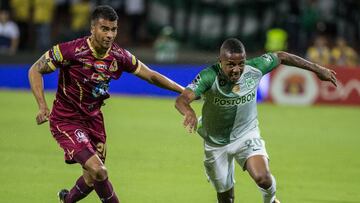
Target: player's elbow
{"x":32,"y":72}
{"x":282,"y":55}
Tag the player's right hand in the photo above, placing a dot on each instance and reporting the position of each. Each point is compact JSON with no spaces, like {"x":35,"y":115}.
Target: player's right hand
{"x":42,"y":116}
{"x":190,"y":122}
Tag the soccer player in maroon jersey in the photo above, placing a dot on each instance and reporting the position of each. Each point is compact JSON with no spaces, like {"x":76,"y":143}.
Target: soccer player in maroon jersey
{"x":86,"y":66}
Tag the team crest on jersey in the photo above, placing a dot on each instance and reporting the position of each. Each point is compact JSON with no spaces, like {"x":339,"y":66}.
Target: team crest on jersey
{"x":100,"y":66}
{"x":81,"y":136}
{"x":113,"y":66}
{"x":236,"y":88}
{"x":250,"y":83}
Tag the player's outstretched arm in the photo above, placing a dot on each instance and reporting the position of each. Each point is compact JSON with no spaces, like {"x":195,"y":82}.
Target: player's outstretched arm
{"x":157,"y":79}
{"x":182,"y":104}
{"x":296,"y":61}
{"x":35,"y":73}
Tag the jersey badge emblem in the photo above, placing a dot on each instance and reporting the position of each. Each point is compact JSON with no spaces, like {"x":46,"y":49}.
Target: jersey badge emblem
{"x":236,"y":88}
{"x":81,"y":136}
{"x":113,"y":66}
{"x":250,"y":83}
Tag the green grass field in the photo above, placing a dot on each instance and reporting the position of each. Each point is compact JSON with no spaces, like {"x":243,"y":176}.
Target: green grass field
{"x":314,"y":154}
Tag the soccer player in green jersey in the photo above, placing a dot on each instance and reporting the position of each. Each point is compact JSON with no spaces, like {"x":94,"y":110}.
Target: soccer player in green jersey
{"x":229,"y":124}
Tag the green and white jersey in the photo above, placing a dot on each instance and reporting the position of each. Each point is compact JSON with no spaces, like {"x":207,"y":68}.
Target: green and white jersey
{"x":229,"y":110}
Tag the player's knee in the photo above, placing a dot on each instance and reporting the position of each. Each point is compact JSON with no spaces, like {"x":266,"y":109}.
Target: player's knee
{"x":263,"y":180}
{"x":99,"y":173}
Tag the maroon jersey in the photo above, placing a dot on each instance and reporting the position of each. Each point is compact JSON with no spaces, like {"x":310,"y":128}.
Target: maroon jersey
{"x":84,"y":77}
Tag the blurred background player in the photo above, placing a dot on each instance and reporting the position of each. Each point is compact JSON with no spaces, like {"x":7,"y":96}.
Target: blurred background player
{"x":319,"y":52}
{"x":9,"y":34}
{"x":86,"y":66}
{"x":229,"y":124}
{"x":343,"y":55}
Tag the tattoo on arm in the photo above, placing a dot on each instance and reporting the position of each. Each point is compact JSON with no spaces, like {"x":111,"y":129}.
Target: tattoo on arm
{"x":293,"y":60}
{"x":42,"y":66}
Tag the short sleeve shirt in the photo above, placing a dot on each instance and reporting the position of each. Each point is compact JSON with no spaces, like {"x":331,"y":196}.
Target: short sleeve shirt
{"x":229,"y":109}
{"x":84,"y":77}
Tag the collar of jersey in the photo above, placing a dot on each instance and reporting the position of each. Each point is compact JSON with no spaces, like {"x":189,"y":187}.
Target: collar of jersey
{"x":231,"y":94}
{"x":93,"y":51}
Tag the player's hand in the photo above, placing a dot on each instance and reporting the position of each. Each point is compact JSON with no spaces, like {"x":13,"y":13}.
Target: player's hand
{"x":325,"y":74}
{"x":43,"y":115}
{"x":190,"y":121}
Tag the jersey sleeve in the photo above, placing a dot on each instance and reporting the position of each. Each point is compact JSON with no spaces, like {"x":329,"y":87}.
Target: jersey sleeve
{"x":202,"y":82}
{"x":129,"y":62}
{"x":60,"y":54}
{"x":265,"y":63}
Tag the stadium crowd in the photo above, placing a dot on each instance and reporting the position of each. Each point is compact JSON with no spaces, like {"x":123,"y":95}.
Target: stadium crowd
{"x":196,"y":24}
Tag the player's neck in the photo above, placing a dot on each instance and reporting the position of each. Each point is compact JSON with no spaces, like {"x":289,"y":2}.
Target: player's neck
{"x":97,"y":48}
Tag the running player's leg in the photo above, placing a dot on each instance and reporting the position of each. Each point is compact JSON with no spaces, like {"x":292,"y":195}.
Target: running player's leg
{"x":252,"y":156}
{"x":219,"y":167}
{"x":258,"y":168}
{"x":83,"y":186}
{"x":102,"y":185}
{"x":74,"y":139}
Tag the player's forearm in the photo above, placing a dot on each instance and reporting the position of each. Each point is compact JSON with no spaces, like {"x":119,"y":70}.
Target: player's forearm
{"x":182,"y":104}
{"x":296,"y":61}
{"x":37,"y":87}
{"x":164,"y":82}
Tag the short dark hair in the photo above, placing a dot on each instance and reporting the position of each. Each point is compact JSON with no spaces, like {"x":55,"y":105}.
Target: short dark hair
{"x":233,"y":45}
{"x":105,"y":12}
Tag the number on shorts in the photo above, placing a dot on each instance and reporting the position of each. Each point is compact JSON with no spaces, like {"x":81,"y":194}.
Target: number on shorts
{"x":254,"y":142}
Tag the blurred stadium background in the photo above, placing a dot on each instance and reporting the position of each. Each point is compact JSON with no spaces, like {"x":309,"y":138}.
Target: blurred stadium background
{"x":311,"y":128}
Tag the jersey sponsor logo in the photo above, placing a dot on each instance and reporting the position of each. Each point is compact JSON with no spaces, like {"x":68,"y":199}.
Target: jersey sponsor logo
{"x":81,"y":136}
{"x":100,"y":89}
{"x":100,"y":66}
{"x":113,"y":66}
{"x":194,"y":84}
{"x":234,"y":101}
{"x":267,"y":58}
{"x":99,"y":77}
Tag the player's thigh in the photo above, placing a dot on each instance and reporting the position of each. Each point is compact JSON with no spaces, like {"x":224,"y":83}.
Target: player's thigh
{"x":219,"y":167}
{"x":249,"y":146}
{"x":72,"y":138}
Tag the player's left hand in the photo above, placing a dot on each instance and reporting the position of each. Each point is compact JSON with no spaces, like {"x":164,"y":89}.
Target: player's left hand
{"x":325,"y":74}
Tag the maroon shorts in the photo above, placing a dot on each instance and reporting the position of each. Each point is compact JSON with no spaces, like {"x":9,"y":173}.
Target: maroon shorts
{"x":80,"y":139}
